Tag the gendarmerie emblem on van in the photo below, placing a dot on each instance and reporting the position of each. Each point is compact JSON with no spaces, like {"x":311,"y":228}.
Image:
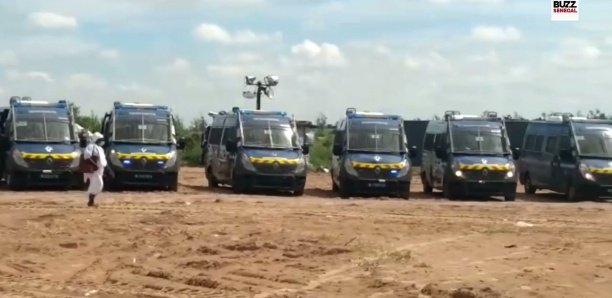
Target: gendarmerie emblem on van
{"x":377,"y":158}
{"x":143,"y":150}
{"x":49,"y":149}
{"x":484,"y":161}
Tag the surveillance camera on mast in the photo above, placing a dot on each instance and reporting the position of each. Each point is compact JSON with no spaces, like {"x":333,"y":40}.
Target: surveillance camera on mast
{"x":250,"y":80}
{"x":264,"y":87}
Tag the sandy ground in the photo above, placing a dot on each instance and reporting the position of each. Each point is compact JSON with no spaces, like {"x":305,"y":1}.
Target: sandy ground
{"x":203,"y":243}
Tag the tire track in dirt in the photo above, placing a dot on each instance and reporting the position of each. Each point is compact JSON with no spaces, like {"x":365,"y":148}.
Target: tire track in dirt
{"x":340,"y":273}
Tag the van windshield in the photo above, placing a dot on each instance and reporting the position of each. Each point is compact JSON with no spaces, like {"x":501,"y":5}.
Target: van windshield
{"x":594,"y":139}
{"x":42,"y":126}
{"x":268,"y":132}
{"x":142,"y":128}
{"x":373,"y":135}
{"x":478,"y":138}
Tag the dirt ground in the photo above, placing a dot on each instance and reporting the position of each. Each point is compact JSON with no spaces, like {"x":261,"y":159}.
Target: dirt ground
{"x":203,"y":243}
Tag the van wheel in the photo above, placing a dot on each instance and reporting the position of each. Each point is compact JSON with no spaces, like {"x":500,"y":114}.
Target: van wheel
{"x":298,"y":192}
{"x":404,"y":195}
{"x":571,"y":194}
{"x":344,"y":192}
{"x":448,"y":191}
{"x":239,"y":186}
{"x":426,"y":187}
{"x":212,"y":182}
{"x":173,"y":186}
{"x":510,"y":196}
{"x":13,"y":182}
{"x":529,"y":188}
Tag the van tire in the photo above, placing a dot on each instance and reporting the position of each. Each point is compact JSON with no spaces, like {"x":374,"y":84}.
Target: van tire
{"x":343,"y":192}
{"x":404,"y":195}
{"x":13,"y":183}
{"x":334,"y":186}
{"x":571,"y":194}
{"x":510,"y":196}
{"x":448,"y":191}
{"x":529,"y":188}
{"x":239,"y":187}
{"x":298,"y":192}
{"x":212,"y":182}
{"x":426,"y":187}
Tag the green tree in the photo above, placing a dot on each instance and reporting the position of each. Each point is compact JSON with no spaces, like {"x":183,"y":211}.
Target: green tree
{"x":92,"y":122}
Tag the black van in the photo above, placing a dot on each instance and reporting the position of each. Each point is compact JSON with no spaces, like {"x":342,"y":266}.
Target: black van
{"x":254,"y":149}
{"x":370,"y":155}
{"x":468,"y":155}
{"x":38,"y":144}
{"x":141,"y":146}
{"x":568,"y":155}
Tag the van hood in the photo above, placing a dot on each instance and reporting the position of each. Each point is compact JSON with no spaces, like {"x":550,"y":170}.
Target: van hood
{"x":375,"y":158}
{"x":42,"y":148}
{"x":143,"y":148}
{"x":595,"y":163}
{"x":483,"y":160}
{"x":273,"y":153}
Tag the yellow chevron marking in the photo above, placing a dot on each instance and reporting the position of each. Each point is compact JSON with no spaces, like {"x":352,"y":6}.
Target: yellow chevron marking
{"x":148,"y":156}
{"x":480,"y":167}
{"x":271,"y":160}
{"x":382,"y":166}
{"x":601,"y":170}
{"x":64,"y":156}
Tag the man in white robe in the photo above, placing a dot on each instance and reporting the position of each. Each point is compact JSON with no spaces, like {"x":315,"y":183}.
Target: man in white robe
{"x":96,"y":179}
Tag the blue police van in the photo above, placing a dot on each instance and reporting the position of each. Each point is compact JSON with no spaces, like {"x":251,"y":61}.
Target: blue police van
{"x":569,"y":155}
{"x":255,"y":150}
{"x":141,"y":146}
{"x":467,"y":155}
{"x":39,"y":144}
{"x":370,"y":155}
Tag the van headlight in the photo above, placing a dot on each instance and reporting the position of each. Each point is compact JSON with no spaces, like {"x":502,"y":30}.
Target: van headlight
{"x":246,"y":163}
{"x":76,"y":158}
{"x":405,"y":169}
{"x":19,"y":159}
{"x":301,"y":166}
{"x":348,"y":166}
{"x":114,"y":159}
{"x":172,"y":157}
{"x":584,"y":170}
{"x":511,"y":173}
{"x":456,"y":169}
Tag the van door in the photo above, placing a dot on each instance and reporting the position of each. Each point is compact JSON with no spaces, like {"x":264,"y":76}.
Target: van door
{"x":439,"y":164}
{"x":563,"y":168}
{"x":540,"y":171}
{"x":337,"y":159}
{"x":551,"y":154}
{"x":227,"y":159}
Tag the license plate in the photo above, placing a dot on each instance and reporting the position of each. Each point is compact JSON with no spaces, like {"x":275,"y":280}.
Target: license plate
{"x":49,"y":176}
{"x":377,"y":185}
{"x":143,"y":176}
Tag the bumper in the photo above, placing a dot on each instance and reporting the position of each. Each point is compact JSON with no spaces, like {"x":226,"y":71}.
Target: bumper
{"x":375,"y":186}
{"x":124,"y":177}
{"x":483,"y":187}
{"x":594,"y":190}
{"x":56,"y":178}
{"x":272,"y":182}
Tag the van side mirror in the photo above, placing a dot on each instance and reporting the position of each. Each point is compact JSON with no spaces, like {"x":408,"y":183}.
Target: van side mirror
{"x":306,"y":149}
{"x":337,"y":150}
{"x":516,"y":153}
{"x":181,"y":143}
{"x":231,"y":146}
{"x":412,"y":152}
{"x":566,"y":154}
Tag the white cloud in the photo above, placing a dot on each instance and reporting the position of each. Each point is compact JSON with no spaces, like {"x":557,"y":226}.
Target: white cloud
{"x":30,"y":75}
{"x":217,"y":34}
{"x":1,"y":91}
{"x":432,"y":61}
{"x":8,"y":58}
{"x":138,"y":92}
{"x":496,"y":34}
{"x":488,"y":57}
{"x":85,"y":81}
{"x":313,"y":54}
{"x":50,"y":20}
{"x":109,"y":54}
{"x":577,"y":53}
{"x":178,"y":65}
{"x":608,"y":41}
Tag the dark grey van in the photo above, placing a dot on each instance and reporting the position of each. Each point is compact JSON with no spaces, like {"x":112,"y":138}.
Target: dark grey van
{"x":468,"y":155}
{"x":568,"y":155}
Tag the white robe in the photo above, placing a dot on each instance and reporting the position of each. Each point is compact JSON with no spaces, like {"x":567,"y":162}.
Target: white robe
{"x":96,"y":179}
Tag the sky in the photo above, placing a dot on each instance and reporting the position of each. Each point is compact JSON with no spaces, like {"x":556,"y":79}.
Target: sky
{"x":414,"y":58}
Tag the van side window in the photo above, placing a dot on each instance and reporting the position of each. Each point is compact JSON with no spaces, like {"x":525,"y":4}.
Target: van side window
{"x":551,"y":145}
{"x":440,"y":141}
{"x":564,"y":143}
{"x":429,"y":142}
{"x":339,"y":137}
{"x":229,"y":130}
{"x":530,"y":143}
{"x":215,"y":135}
{"x":538,"y":143}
